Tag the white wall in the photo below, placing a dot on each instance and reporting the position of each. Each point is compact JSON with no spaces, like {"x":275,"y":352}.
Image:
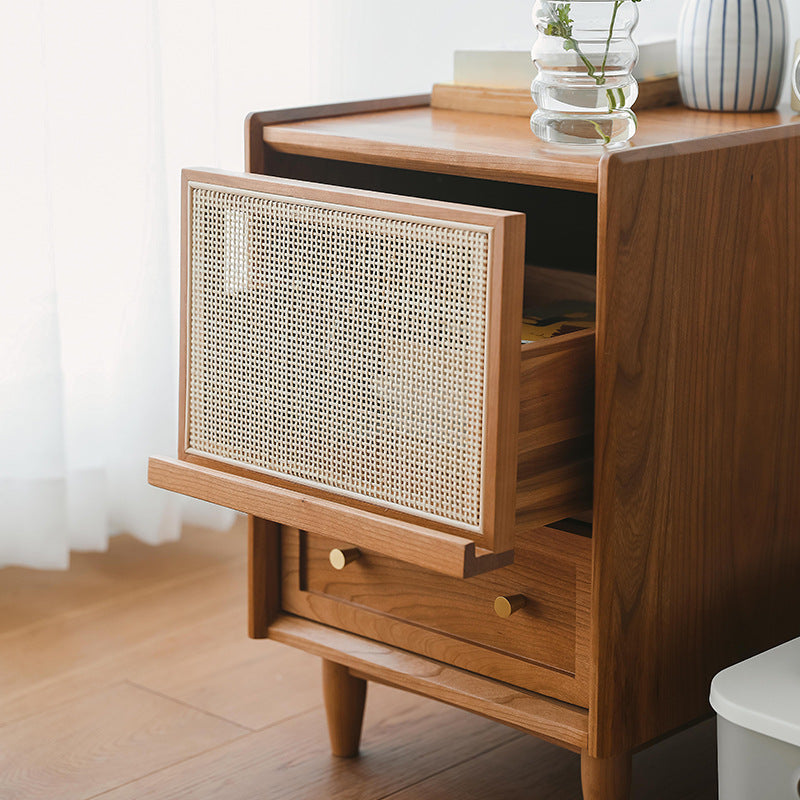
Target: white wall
{"x":379,"y":47}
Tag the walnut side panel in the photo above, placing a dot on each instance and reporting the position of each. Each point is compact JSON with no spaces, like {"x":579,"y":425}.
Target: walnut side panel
{"x":554,"y":472}
{"x":697,"y":508}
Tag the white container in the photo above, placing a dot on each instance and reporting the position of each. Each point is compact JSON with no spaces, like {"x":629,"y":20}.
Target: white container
{"x":758,"y":726}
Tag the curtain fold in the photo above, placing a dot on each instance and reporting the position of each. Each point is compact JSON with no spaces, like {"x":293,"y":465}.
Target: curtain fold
{"x":87,"y":298}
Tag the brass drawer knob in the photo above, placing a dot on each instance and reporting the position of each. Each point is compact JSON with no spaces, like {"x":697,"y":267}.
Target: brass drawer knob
{"x":506,"y":606}
{"x":341,"y":557}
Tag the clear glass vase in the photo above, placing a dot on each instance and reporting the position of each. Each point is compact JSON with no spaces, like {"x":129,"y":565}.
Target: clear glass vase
{"x":585,"y":55}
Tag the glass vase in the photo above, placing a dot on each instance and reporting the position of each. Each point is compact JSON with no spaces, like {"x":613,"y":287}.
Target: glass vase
{"x":585,"y":55}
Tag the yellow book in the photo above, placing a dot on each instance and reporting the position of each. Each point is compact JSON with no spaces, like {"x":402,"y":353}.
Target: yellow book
{"x":556,"y":319}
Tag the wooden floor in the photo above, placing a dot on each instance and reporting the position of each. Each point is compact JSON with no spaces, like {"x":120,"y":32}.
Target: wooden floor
{"x":130,"y":676}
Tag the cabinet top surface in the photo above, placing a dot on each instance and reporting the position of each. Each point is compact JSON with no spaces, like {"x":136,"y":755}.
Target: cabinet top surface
{"x":492,"y":146}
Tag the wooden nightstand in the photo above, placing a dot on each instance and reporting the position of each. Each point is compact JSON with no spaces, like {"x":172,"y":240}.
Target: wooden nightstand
{"x":322,"y":395}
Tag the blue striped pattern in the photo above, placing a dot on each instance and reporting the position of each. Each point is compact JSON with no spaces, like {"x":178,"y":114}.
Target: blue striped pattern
{"x":732,"y":54}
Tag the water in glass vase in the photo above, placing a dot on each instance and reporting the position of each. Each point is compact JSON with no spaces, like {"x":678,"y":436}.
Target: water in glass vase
{"x":585,"y":55}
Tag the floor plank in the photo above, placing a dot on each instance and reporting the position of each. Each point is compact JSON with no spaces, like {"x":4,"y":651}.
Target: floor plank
{"x":204,"y":665}
{"x":405,"y":738}
{"x":682,"y":767}
{"x":525,"y":769}
{"x":28,"y":596}
{"x":101,"y":740}
{"x":145,"y":685}
{"x":217,"y":669}
{"x":54,"y":648}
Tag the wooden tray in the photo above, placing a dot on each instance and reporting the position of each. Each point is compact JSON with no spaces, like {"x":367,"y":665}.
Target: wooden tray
{"x":653,"y":93}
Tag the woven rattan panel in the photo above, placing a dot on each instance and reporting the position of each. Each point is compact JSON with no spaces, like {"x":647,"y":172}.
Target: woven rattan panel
{"x":339,"y":347}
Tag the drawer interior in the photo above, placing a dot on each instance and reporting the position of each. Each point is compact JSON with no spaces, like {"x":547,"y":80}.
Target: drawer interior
{"x":556,"y":430}
{"x":561,"y":225}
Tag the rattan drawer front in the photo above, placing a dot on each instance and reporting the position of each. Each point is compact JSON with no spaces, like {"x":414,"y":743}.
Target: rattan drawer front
{"x":361,"y":347}
{"x":543,"y":646}
{"x":340,"y":347}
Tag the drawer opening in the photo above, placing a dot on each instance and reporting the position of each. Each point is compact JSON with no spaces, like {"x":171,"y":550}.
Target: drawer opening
{"x":556,"y":303}
{"x":578,"y":525}
{"x":559,"y":279}
{"x":561,"y":224}
{"x":556,"y":428}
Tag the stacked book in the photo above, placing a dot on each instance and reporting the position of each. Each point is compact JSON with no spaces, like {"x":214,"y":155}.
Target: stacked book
{"x":556,"y":319}
{"x":499,"y":81}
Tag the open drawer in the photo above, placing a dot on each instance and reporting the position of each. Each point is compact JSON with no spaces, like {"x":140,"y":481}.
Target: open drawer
{"x":351,"y":362}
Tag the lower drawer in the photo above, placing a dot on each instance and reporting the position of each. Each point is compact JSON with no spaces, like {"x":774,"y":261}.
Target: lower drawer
{"x":543,"y":646}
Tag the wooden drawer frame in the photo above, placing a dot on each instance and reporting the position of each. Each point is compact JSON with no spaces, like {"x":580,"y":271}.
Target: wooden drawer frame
{"x":504,"y":233}
{"x":569,"y":572}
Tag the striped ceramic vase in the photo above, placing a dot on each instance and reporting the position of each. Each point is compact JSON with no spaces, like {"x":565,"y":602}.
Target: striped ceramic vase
{"x":732,"y":54}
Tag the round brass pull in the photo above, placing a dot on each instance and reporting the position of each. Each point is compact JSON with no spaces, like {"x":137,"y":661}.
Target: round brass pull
{"x":341,"y":557}
{"x":506,"y":606}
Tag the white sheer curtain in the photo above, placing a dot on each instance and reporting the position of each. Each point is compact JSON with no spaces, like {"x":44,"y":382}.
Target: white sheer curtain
{"x":100,"y":105}
{"x":87,"y":322}
{"x":87,"y":334}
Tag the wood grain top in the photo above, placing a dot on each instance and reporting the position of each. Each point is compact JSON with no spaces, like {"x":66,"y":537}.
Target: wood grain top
{"x":490,"y":146}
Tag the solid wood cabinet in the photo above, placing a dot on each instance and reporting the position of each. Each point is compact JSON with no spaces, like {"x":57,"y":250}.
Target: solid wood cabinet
{"x":630,"y":495}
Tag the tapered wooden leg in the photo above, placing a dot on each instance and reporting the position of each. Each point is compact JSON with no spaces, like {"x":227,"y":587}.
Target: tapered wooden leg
{"x":344,"y":704}
{"x":606,"y":778}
